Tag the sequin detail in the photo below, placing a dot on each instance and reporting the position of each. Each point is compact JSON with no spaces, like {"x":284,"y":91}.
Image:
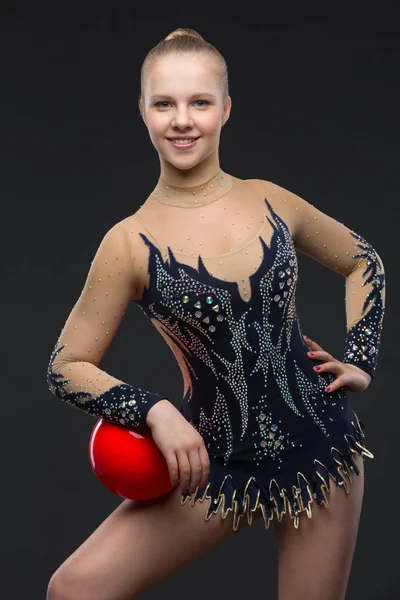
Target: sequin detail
{"x":275,"y":437}
{"x":122,"y":404}
{"x":363,"y":339}
{"x":243,"y":497}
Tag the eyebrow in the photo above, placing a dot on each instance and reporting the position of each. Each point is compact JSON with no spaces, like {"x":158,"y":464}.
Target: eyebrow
{"x":168,"y":97}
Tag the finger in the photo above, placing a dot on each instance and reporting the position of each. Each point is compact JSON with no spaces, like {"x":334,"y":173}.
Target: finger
{"x":172,"y":464}
{"x":320,"y":355}
{"x":184,"y":469}
{"x":330,"y":367}
{"x":205,"y":464}
{"x":338,"y":383}
{"x":195,"y":469}
{"x":313,"y":345}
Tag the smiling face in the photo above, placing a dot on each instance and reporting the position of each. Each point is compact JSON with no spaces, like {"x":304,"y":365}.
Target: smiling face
{"x":184,"y":108}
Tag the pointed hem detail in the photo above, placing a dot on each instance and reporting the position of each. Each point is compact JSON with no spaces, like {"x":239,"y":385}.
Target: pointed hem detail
{"x":275,"y":501}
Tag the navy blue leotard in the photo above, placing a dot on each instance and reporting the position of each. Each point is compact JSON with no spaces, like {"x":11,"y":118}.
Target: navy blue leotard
{"x":217,"y":277}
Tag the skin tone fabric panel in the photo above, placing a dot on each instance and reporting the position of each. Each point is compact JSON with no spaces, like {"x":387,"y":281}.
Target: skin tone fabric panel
{"x":274,"y":436}
{"x":337,"y":247}
{"x":314,"y":233}
{"x":73,"y":374}
{"x":221,"y":232}
{"x":225,"y":234}
{"x":188,"y":256}
{"x":122,"y":262}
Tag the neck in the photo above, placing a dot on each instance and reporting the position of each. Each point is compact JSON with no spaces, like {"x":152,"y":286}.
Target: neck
{"x":190,"y":178}
{"x":191,"y":190}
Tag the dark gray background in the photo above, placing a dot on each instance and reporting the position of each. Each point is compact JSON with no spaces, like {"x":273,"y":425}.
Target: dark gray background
{"x":315,"y":109}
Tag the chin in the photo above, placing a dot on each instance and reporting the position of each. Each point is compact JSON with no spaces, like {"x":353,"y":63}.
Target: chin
{"x":185,"y":163}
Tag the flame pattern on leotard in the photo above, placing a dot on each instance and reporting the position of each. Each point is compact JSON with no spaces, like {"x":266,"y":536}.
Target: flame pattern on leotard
{"x":274,"y":436}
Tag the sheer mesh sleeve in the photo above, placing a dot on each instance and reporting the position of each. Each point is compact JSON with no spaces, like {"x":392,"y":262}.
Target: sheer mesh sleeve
{"x":334,"y":245}
{"x":73,"y":374}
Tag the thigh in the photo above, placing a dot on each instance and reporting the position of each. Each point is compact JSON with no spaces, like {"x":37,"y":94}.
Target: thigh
{"x":315,"y":559}
{"x":139,"y":545}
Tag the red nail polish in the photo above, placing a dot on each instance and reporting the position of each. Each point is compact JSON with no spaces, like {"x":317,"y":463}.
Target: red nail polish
{"x":317,"y":368}
{"x":312,"y":353}
{"x":328,"y":389}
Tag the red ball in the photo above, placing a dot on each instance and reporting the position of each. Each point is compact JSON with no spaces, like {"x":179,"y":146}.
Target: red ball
{"x":127,"y":462}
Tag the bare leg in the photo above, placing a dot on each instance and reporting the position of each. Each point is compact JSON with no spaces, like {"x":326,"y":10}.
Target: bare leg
{"x":138,"y":546}
{"x":315,"y":559}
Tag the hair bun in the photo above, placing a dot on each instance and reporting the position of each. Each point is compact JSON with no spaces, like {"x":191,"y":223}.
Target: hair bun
{"x":182,"y":31}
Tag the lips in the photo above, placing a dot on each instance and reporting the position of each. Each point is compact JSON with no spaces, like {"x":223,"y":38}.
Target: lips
{"x":183,"y":142}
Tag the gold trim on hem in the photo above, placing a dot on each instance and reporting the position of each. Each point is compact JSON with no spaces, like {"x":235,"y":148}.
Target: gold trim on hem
{"x":343,"y":467}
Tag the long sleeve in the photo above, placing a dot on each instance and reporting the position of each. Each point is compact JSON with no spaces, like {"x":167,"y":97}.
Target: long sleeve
{"x":73,"y":374}
{"x":334,"y":245}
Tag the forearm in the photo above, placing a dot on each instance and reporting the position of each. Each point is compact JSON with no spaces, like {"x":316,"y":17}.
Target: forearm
{"x":365,"y":307}
{"x":363,"y":341}
{"x":83,"y":385}
{"x":339,"y":248}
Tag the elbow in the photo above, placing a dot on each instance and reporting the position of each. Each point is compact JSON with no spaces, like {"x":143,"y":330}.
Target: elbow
{"x":367,"y":254}
{"x":379,"y":262}
{"x":51,"y":374}
{"x":374,"y":274}
{"x":372,"y":263}
{"x":52,"y":377}
{"x":55,"y":378}
{"x":381,"y":279}
{"x":379,"y":273}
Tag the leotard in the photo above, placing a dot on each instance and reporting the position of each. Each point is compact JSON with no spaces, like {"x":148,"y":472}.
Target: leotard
{"x":217,"y":278}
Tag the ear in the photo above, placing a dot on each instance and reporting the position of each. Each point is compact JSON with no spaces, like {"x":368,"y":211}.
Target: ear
{"x":227,"y":110}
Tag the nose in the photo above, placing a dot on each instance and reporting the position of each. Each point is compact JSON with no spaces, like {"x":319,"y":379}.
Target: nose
{"x":182,"y":119}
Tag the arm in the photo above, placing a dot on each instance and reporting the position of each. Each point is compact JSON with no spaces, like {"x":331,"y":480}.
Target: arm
{"x":73,"y":374}
{"x":334,"y":245}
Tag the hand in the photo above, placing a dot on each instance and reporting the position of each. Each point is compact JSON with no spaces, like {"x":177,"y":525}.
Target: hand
{"x":181,"y":444}
{"x":348,"y":376}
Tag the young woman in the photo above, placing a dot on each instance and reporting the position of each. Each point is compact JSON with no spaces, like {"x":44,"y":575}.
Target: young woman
{"x":265,"y":428}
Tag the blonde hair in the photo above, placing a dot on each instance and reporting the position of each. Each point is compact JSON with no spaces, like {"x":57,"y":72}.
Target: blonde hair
{"x":180,"y":40}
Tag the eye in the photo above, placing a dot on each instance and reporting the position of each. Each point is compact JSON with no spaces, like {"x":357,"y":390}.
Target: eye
{"x":204,"y":102}
{"x":161,"y":104}
{"x":165,"y":103}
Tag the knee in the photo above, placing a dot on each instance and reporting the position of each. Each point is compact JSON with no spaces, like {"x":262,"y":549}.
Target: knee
{"x":63,"y":586}
{"x":68,"y":583}
{"x":54,"y":590}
